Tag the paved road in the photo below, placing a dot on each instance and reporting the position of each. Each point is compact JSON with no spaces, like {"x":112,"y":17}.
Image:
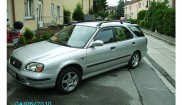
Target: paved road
{"x":121,"y":86}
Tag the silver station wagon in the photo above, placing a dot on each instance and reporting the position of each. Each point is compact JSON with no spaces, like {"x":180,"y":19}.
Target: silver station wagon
{"x":77,"y":52}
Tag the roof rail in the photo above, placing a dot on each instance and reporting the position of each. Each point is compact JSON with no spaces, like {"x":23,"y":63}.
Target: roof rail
{"x":109,"y":22}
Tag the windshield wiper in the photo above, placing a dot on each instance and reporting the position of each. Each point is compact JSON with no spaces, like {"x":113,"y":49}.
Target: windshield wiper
{"x":62,"y":43}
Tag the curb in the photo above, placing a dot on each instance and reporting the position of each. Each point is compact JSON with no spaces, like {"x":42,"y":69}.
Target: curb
{"x":162,"y":71}
{"x":166,"y":40}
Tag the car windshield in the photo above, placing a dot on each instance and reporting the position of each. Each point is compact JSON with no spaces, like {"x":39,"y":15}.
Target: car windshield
{"x":73,"y":36}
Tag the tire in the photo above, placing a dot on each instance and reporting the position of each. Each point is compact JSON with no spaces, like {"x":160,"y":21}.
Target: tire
{"x":68,"y":80}
{"x":134,"y":60}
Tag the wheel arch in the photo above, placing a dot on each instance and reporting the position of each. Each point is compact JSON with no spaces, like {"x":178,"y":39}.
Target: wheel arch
{"x":79,"y":67}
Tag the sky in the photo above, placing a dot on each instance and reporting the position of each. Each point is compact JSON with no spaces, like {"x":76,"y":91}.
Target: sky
{"x":113,"y":2}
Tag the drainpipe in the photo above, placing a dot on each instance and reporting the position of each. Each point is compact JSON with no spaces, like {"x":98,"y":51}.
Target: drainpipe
{"x":130,"y":9}
{"x":173,"y":3}
{"x":82,"y":4}
{"x":13,"y":10}
{"x":89,"y":7}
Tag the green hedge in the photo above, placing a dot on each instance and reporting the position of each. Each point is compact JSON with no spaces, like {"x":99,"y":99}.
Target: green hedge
{"x":141,"y":15}
{"x":169,"y":22}
{"x":141,"y":24}
{"x":161,"y":18}
{"x":133,"y":21}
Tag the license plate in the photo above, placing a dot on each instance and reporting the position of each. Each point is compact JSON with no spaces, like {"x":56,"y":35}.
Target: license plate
{"x":11,"y":72}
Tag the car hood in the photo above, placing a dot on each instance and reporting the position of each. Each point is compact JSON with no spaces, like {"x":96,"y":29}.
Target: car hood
{"x":40,"y":51}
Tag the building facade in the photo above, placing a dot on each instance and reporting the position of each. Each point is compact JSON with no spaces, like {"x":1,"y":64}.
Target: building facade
{"x":71,"y":5}
{"x":134,"y":6}
{"x":35,"y":14}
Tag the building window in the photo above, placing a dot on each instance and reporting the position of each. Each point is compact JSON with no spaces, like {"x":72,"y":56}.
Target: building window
{"x":58,"y":11}
{"x":139,"y":5}
{"x":147,"y":4}
{"x":28,"y":8}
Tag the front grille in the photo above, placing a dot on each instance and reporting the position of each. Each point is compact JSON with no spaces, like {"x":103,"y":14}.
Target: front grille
{"x":15,"y":62}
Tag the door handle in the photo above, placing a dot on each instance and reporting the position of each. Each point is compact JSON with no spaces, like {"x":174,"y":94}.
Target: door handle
{"x":133,"y":43}
{"x":112,"y":48}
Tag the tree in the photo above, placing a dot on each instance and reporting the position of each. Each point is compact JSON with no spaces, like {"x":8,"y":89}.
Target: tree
{"x":66,"y":16}
{"x":120,"y":9}
{"x":100,"y":7}
{"x":78,"y":14}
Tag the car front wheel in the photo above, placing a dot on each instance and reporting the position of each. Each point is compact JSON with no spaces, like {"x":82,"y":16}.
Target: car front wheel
{"x":68,"y":80}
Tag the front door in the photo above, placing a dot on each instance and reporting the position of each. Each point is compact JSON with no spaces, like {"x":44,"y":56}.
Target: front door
{"x":99,"y":58}
{"x":40,"y":20}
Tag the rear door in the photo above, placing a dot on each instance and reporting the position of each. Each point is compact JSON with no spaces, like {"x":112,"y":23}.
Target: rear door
{"x":125,"y":44}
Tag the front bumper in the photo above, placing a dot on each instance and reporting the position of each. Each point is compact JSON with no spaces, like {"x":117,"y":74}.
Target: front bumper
{"x":46,"y":79}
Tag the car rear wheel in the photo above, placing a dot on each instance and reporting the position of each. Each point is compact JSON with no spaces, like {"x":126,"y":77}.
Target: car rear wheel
{"x":134,"y":60}
{"x":68,"y":80}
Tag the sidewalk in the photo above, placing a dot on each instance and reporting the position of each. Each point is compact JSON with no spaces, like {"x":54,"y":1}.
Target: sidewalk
{"x":161,"y":49}
{"x":163,"y":37}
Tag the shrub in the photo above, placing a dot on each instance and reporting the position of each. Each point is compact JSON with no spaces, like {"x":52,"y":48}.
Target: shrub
{"x":141,"y":24}
{"x":154,"y":16}
{"x":66,"y":16}
{"x":133,"y":21}
{"x":169,"y":22}
{"x":141,"y":15}
{"x":28,"y":34}
{"x":78,"y":14}
{"x":159,"y":14}
{"x":146,"y":20}
{"x":46,"y":36}
{"x":35,"y":39}
{"x":22,"y":41}
{"x":152,"y":22}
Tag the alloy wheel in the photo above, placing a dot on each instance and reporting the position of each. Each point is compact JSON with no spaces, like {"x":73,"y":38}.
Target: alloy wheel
{"x":135,"y":60}
{"x":69,"y":81}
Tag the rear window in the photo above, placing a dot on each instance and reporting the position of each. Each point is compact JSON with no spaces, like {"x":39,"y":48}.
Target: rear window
{"x":137,"y":31}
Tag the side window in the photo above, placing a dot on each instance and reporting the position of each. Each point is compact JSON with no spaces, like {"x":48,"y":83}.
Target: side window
{"x":106,"y":35}
{"x":137,"y":31}
{"x":122,"y":33}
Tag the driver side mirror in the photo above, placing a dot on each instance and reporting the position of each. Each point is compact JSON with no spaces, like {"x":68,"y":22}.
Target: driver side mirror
{"x":97,"y":43}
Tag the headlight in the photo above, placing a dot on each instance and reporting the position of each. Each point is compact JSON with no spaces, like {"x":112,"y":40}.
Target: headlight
{"x":37,"y":67}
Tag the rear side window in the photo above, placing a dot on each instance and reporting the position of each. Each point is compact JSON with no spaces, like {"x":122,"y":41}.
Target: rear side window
{"x":122,"y":33}
{"x":137,"y":31}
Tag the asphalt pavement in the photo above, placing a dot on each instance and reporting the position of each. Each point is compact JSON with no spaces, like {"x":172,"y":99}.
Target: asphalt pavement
{"x":140,"y":86}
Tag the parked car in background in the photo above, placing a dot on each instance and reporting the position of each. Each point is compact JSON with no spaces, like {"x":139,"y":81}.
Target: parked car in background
{"x":78,"y":52}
